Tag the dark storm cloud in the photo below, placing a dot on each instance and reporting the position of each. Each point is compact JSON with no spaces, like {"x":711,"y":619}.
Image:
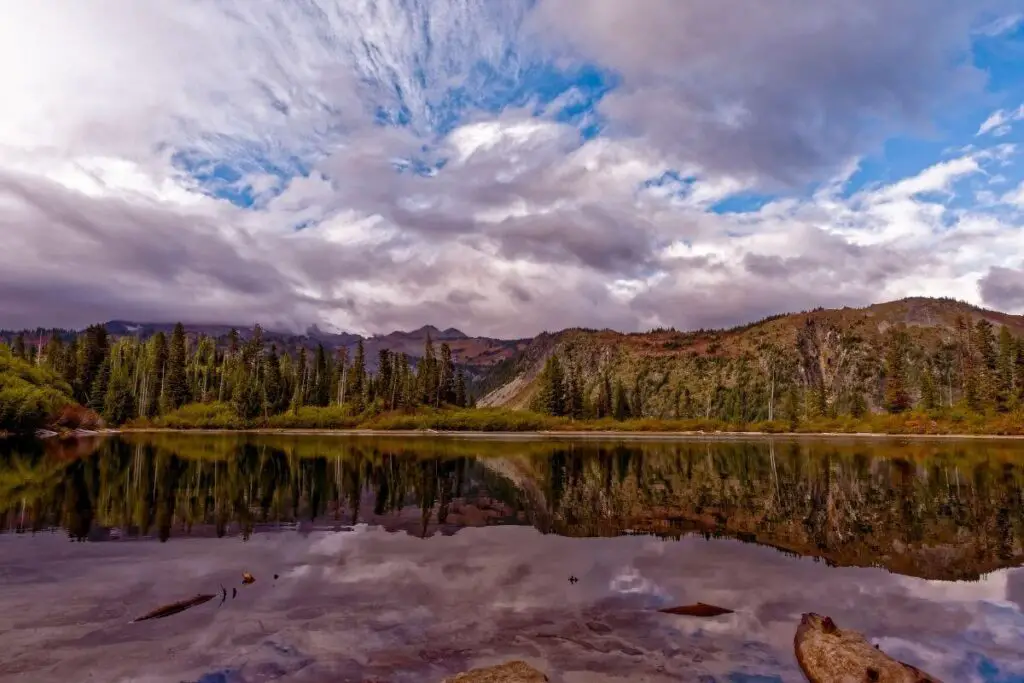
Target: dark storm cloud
{"x":1003,"y":288}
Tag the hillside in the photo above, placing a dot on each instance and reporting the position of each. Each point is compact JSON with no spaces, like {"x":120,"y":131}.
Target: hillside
{"x":941,"y":352}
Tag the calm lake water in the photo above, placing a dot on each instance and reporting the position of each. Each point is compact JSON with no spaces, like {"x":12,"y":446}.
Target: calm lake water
{"x":404,"y":559}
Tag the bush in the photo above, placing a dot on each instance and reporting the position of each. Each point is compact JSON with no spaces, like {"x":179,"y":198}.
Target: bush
{"x":30,"y":396}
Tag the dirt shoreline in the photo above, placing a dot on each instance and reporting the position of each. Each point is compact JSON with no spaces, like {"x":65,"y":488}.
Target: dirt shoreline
{"x":590,"y":435}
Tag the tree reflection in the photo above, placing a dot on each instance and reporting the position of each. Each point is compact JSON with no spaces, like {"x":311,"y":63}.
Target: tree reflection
{"x":924,"y":509}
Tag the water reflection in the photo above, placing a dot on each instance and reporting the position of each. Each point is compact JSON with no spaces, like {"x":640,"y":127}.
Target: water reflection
{"x":938,"y":510}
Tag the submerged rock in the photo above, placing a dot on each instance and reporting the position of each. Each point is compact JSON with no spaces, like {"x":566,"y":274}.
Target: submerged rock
{"x":828,"y":654}
{"x":509,"y":672}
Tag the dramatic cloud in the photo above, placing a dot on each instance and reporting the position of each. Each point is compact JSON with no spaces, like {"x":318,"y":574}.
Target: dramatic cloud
{"x":499,"y":167}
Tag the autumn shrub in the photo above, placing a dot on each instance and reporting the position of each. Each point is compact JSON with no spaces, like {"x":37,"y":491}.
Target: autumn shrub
{"x":30,"y":396}
{"x":74,"y":416}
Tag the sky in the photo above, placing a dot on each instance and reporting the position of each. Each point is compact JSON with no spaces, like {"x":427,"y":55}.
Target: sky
{"x":505,"y":167}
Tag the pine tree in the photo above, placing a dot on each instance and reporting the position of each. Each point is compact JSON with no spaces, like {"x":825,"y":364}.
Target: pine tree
{"x":92,"y":348}
{"x":119,"y":404}
{"x":985,"y":345}
{"x":157,"y":373}
{"x":446,"y":377}
{"x":897,"y":397}
{"x":355,"y":392}
{"x":574,"y":394}
{"x":299,"y":394}
{"x":176,"y":381}
{"x":460,"y":389}
{"x":1004,"y":370}
{"x":929,"y":394}
{"x":98,"y":391}
{"x":621,"y":408}
{"x":427,"y":375}
{"x":273,"y":388}
{"x":18,"y":348}
{"x":550,"y":397}
{"x":321,"y":394}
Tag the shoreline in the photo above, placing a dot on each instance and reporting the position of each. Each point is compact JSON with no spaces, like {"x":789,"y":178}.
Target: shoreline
{"x":567,"y":435}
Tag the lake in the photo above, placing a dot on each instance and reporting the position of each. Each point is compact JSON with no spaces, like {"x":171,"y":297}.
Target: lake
{"x":410,"y":559}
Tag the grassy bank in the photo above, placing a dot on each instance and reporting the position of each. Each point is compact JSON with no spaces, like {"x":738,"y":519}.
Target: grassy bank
{"x":222,"y":417}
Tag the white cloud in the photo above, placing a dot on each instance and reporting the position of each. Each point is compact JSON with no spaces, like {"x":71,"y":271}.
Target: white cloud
{"x":1000,"y":122}
{"x":527,"y":226}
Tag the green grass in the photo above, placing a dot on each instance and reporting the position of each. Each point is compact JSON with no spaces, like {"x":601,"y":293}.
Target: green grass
{"x":221,"y":416}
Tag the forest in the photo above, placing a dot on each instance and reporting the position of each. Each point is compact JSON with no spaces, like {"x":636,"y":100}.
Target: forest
{"x":124,"y":380}
{"x":812,"y":372}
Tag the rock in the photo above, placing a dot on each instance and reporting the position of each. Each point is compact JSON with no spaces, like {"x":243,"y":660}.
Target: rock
{"x":45,"y":434}
{"x":828,"y":654}
{"x":509,"y":672}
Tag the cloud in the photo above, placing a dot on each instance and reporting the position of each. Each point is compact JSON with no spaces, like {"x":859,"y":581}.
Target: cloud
{"x":489,"y":166}
{"x":999,"y":123}
{"x":1003,"y":288}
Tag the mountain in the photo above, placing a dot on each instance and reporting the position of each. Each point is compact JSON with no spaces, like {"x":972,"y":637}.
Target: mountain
{"x":475,"y":354}
{"x":838,"y":360}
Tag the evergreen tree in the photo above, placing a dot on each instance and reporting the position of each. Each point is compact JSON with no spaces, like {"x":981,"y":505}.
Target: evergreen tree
{"x":119,"y":404}
{"x":93,"y":346}
{"x":176,"y":381}
{"x":355,"y":393}
{"x":985,"y":345}
{"x":427,"y":373}
{"x":460,"y":389}
{"x":1004,"y":369}
{"x":98,"y":391}
{"x":550,"y":397}
{"x":153,"y":389}
{"x":299,"y":394}
{"x":574,"y":394}
{"x":18,"y":348}
{"x":273,"y":387}
{"x":446,"y":377}
{"x":929,"y":394}
{"x":321,"y":395}
{"x":897,"y":397}
{"x":621,"y":408}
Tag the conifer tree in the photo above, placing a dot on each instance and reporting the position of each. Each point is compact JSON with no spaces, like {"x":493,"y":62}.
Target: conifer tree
{"x":426,"y":374}
{"x":897,"y":397}
{"x":929,"y":394}
{"x":460,"y":389}
{"x":1004,"y":369}
{"x":356,"y":391}
{"x":321,"y":395}
{"x":98,"y":391}
{"x":18,"y":348}
{"x":620,"y":407}
{"x":446,"y":378}
{"x":299,"y":394}
{"x":176,"y":389}
{"x":273,"y":389}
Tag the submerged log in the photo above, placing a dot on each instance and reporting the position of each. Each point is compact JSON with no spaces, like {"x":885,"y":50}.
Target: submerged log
{"x":509,"y":672}
{"x":828,"y":654}
{"x":699,"y":610}
{"x":175,"y":607}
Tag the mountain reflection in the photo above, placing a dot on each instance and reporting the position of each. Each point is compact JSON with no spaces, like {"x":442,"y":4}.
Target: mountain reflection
{"x":942,"y":510}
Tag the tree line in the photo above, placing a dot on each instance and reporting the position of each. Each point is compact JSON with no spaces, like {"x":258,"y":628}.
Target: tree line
{"x":127,"y":378}
{"x":826,"y":372}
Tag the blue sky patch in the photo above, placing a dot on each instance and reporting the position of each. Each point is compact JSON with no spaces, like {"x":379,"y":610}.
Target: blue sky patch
{"x":231,"y":177}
